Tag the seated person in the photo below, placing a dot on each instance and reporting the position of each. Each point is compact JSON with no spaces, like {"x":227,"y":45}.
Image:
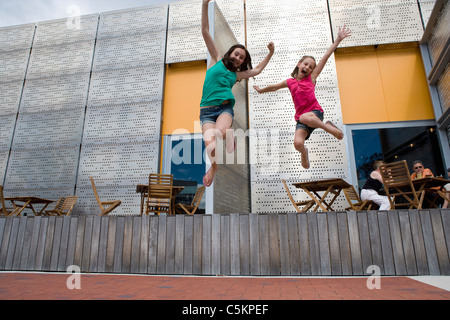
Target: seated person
{"x":420,"y":171}
{"x":373,"y":184}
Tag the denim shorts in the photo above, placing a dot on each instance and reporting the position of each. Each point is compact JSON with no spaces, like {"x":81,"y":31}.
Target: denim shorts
{"x":310,"y":130}
{"x":210,"y":114}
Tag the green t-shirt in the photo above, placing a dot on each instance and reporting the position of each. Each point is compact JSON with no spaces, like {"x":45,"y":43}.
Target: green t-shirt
{"x":217,"y":87}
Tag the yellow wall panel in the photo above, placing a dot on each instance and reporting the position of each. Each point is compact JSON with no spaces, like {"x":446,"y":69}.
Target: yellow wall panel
{"x":405,"y":85}
{"x":360,"y":88}
{"x":383,"y":85}
{"x":183,"y":93}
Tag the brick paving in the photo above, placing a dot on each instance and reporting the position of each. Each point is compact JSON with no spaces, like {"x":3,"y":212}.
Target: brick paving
{"x":50,"y":286}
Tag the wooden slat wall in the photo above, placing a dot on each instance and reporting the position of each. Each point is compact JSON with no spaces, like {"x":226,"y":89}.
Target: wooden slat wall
{"x":327,"y":244}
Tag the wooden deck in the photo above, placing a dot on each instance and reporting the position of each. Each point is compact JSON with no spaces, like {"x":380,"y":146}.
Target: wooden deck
{"x":323,"y":244}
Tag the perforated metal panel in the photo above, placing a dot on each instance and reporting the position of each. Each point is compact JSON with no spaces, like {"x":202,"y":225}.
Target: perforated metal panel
{"x":55,"y":93}
{"x":117,"y":169}
{"x":7,"y":123}
{"x":13,"y":65}
{"x":426,"y":7}
{"x":60,"y":129}
{"x":10,"y":93}
{"x":86,"y":203}
{"x":46,"y":145}
{"x":233,"y":11}
{"x":42,"y":168}
{"x":121,"y":135}
{"x":63,"y":31}
{"x":133,"y":21}
{"x":15,"y":44}
{"x":134,"y":85}
{"x":184,"y":34}
{"x":273,"y":155}
{"x":377,"y":22}
{"x":64,"y":59}
{"x":16,"y":37}
{"x":123,"y":123}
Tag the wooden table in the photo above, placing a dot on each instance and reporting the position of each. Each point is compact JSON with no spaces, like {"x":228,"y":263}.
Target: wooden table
{"x":312,"y":188}
{"x":28,"y":203}
{"x":143,"y":190}
{"x":431,"y":185}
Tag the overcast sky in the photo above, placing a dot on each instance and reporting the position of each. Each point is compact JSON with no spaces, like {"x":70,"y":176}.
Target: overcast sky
{"x":15,"y":12}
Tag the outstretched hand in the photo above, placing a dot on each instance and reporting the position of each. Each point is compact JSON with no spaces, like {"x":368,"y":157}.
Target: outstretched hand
{"x":271,"y":47}
{"x":258,"y":89}
{"x":343,"y":33}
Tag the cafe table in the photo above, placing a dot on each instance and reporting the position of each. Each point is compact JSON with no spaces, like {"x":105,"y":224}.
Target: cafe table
{"x":431,"y":185}
{"x":28,"y":203}
{"x":143,"y":190}
{"x":332,"y":187}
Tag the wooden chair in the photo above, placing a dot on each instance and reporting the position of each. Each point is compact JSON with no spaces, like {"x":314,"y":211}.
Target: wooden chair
{"x":63,"y":207}
{"x":398,"y":185}
{"x":4,"y":211}
{"x":110,"y":205}
{"x":355,"y":201}
{"x":192,"y":208}
{"x":308,"y":204}
{"x":159,"y":195}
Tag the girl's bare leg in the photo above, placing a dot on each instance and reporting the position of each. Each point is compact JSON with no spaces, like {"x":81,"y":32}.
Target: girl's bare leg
{"x":299,"y":144}
{"x":311,"y":120}
{"x":210,"y":131}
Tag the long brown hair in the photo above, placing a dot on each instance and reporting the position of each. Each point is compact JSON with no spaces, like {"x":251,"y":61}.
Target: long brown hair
{"x":294,"y":74}
{"x":246,"y":65}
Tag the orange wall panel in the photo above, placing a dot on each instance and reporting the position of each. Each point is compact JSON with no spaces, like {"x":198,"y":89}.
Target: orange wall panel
{"x":383,"y":85}
{"x":360,"y":88}
{"x":183,"y":93}
{"x":405,"y":85}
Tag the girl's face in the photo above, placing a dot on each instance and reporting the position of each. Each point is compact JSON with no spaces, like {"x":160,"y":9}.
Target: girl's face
{"x":306,"y":67}
{"x":238,"y":57}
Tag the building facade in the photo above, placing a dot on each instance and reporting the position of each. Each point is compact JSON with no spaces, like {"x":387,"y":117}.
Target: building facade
{"x":116,"y":96}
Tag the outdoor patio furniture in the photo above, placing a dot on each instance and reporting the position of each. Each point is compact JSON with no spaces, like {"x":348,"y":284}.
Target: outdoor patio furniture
{"x":308,"y":204}
{"x":63,"y":207}
{"x":328,"y":187}
{"x":4,"y":211}
{"x":399,"y":187}
{"x":105,"y":206}
{"x":355,"y":201}
{"x":159,"y":195}
{"x":192,"y":208}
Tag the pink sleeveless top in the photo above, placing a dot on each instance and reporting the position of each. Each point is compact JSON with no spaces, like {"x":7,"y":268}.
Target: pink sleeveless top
{"x":303,"y":95}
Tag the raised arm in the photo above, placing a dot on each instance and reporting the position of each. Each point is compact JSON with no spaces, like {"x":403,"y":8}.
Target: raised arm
{"x":271,"y":88}
{"x":260,"y":67}
{"x":215,"y":55}
{"x":342,"y":34}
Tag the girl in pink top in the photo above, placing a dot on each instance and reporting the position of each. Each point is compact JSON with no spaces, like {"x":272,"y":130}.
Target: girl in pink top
{"x":308,"y":112}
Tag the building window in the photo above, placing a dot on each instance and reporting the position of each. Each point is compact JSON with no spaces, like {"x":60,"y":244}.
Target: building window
{"x":184,"y":158}
{"x":394,"y":144}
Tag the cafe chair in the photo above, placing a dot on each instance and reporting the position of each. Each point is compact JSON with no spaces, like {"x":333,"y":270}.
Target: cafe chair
{"x":159,"y":195}
{"x":355,"y":202}
{"x":192,"y":208}
{"x":398,"y":186}
{"x":105,"y":206}
{"x":307,"y":204}
{"x":63,"y":207}
{"x":4,"y":211}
